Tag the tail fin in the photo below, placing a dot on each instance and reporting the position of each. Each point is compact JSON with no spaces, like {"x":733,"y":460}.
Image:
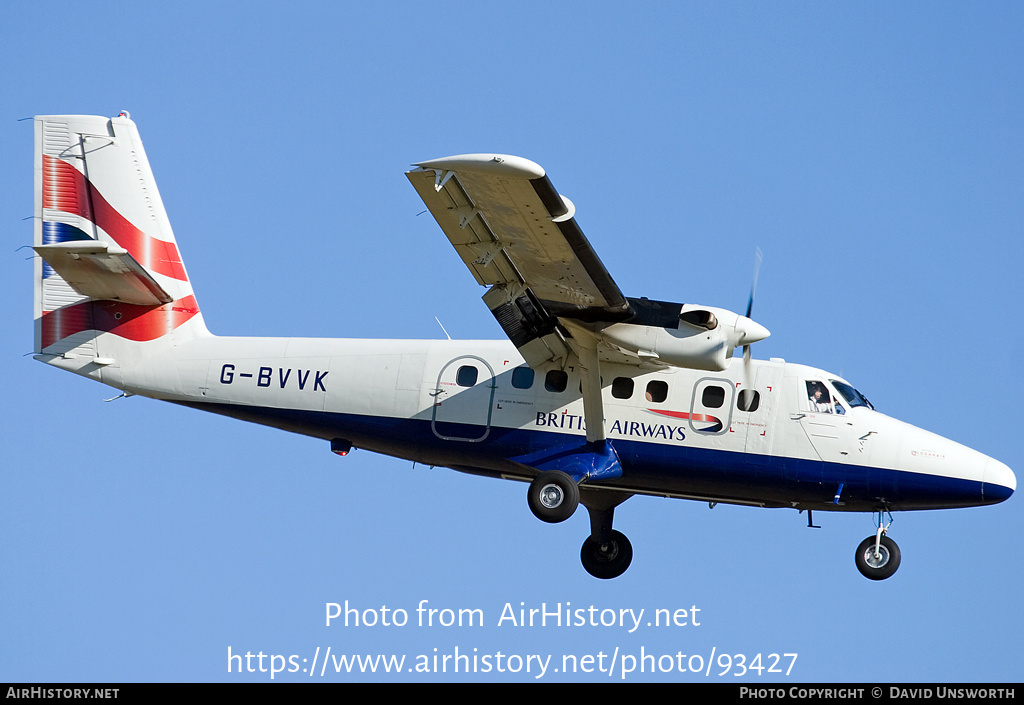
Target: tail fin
{"x":110,"y":273}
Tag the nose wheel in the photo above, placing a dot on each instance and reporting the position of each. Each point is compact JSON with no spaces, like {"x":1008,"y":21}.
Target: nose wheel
{"x":878,"y":556}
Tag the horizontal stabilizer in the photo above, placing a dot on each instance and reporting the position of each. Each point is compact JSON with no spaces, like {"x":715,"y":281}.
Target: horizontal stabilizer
{"x":103,"y":271}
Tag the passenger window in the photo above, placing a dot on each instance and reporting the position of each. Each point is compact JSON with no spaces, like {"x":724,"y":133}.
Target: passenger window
{"x":713,"y":397}
{"x":522,"y":377}
{"x":622,"y":387}
{"x":657,"y":391}
{"x":556,"y":381}
{"x":748,"y":400}
{"x":466,"y":376}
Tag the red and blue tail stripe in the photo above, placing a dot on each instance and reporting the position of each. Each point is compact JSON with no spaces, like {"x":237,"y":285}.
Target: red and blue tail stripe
{"x":54,"y":233}
{"x":129,"y":321}
{"x":66,"y":189}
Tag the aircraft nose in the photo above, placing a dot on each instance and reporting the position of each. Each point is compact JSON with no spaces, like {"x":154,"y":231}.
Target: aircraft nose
{"x":999,"y":482}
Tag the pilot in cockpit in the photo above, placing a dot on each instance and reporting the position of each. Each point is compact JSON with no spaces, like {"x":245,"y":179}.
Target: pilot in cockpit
{"x":818,"y":399}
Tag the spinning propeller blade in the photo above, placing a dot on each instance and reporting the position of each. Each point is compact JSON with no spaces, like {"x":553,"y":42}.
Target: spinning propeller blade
{"x":758,"y":258}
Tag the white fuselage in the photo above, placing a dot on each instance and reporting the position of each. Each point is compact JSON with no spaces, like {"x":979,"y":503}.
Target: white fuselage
{"x":677,"y":432}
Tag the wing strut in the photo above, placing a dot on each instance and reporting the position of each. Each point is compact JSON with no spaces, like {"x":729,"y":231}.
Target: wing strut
{"x":590,"y":378}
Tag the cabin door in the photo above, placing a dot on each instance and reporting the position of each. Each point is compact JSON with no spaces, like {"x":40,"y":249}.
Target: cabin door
{"x":463,"y":399}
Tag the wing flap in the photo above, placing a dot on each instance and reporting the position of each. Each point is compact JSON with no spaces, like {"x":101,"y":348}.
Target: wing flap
{"x":460,"y":219}
{"x":511,"y":227}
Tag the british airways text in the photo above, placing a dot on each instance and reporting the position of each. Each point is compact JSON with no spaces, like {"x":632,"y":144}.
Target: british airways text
{"x":626,"y":428}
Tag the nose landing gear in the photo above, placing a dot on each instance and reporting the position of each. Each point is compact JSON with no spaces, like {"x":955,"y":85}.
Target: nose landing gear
{"x":878,"y":556}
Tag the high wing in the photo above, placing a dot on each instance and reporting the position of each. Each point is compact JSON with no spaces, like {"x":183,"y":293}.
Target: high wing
{"x":548,"y":288}
{"x":512,"y":228}
{"x":517,"y":234}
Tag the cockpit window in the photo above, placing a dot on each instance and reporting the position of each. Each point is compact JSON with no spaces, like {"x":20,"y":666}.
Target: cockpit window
{"x":818,"y":398}
{"x":851,"y":395}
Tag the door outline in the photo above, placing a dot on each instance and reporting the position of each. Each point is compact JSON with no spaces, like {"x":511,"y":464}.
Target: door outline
{"x":721,"y":415}
{"x":473,"y":401}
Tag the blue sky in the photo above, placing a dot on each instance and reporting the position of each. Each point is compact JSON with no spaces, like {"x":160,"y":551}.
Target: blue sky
{"x":873,"y":151}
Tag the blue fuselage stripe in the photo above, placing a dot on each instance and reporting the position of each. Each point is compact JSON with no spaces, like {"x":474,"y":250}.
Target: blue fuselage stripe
{"x":647,"y":467}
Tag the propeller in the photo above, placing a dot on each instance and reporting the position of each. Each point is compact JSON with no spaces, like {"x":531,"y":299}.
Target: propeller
{"x":758,"y":258}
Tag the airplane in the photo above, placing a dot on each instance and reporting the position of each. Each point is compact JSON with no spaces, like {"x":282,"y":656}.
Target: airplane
{"x":593,"y":397}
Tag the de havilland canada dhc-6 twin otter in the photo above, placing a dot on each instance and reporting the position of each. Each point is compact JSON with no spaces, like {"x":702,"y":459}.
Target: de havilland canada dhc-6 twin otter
{"x":595,"y":397}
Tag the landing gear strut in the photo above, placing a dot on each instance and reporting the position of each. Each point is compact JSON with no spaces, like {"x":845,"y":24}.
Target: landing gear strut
{"x":553,"y":497}
{"x":606,"y":553}
{"x":878,"y":556}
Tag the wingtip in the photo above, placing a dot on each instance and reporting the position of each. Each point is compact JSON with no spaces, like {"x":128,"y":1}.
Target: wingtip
{"x":488,"y":163}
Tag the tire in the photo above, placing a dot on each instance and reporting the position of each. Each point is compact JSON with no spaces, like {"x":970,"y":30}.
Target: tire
{"x":610,"y":562}
{"x":553,"y":496}
{"x":882,"y":567}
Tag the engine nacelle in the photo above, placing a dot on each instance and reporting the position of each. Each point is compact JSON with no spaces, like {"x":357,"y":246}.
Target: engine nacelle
{"x":701,"y":338}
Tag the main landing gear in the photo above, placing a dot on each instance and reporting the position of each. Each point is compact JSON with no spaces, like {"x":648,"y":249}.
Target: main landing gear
{"x":554,"y":496}
{"x":608,"y":558}
{"x":878,"y":556}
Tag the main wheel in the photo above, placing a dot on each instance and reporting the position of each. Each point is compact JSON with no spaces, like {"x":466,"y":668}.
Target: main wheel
{"x":881,"y":566}
{"x":553,"y":496}
{"x":609,"y":560}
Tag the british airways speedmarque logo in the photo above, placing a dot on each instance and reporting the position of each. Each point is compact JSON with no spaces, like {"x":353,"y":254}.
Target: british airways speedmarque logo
{"x":278,"y":377}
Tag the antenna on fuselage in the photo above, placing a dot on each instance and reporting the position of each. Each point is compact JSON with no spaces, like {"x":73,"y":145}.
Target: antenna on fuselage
{"x":442,"y":327}
{"x":810,"y":519}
